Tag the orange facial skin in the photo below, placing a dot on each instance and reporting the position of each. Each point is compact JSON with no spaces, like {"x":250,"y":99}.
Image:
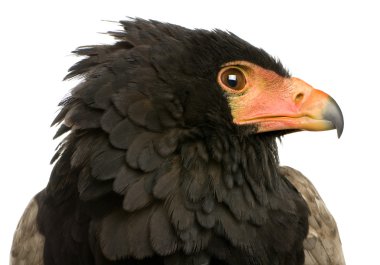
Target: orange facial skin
{"x":273,"y":102}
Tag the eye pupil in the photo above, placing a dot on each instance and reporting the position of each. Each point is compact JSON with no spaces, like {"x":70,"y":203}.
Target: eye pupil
{"x":232,"y":80}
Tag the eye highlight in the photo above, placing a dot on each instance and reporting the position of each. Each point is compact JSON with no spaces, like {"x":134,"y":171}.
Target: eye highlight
{"x":232,"y":78}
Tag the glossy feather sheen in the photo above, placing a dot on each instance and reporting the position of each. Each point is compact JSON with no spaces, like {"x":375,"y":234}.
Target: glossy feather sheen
{"x":153,"y":170}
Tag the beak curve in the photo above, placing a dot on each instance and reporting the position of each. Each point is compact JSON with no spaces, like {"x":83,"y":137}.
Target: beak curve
{"x":333,"y":113}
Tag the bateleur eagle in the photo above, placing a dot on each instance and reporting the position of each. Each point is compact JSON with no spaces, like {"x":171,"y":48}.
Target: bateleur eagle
{"x":170,"y":157}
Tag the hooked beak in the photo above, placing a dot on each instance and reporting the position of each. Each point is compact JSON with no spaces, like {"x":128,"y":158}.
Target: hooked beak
{"x":275,"y":103}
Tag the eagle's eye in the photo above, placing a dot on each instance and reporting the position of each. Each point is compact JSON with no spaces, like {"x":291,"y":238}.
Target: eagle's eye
{"x":232,"y":78}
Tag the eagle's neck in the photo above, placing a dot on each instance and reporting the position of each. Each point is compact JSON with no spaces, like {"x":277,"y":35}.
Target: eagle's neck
{"x":230,"y":163}
{"x":235,"y":188}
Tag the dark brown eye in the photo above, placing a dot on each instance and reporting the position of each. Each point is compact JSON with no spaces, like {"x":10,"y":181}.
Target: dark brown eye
{"x":233,"y":78}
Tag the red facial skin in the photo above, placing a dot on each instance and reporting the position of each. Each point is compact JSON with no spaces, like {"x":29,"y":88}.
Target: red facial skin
{"x":273,"y":102}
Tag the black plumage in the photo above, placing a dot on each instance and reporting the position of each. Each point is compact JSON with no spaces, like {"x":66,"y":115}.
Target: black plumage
{"x":153,"y":169}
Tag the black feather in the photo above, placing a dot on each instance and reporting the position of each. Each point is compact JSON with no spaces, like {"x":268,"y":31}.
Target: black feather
{"x":168,"y":143}
{"x":125,"y":177}
{"x":142,"y":141}
{"x":61,"y":130}
{"x":136,"y":196}
{"x":124,"y":133}
{"x":105,"y":165}
{"x":162,"y":235}
{"x":110,"y":119}
{"x":167,"y":182}
{"x":124,"y":235}
{"x":148,"y":159}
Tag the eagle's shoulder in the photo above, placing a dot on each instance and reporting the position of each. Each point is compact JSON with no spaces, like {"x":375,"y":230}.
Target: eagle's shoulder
{"x":28,"y":242}
{"x":322,"y":245}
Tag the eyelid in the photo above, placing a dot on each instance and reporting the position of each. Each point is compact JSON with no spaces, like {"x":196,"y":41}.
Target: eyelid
{"x":238,"y":67}
{"x":242,"y":64}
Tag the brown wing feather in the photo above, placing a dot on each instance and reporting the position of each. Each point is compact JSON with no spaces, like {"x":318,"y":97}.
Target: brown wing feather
{"x":28,"y":243}
{"x":322,"y":245}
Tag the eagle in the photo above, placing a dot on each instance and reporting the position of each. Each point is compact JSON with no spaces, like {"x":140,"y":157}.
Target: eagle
{"x":168,"y":156}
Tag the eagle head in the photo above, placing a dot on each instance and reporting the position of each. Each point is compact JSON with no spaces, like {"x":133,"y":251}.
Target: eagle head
{"x":216,"y":79}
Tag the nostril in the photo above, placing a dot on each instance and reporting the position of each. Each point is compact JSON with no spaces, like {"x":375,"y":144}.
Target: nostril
{"x":298,"y":98}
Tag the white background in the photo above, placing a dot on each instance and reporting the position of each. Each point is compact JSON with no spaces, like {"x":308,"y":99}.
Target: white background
{"x":332,"y":45}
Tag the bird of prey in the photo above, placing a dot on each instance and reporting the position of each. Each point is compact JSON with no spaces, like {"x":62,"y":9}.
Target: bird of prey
{"x":169,"y":156}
